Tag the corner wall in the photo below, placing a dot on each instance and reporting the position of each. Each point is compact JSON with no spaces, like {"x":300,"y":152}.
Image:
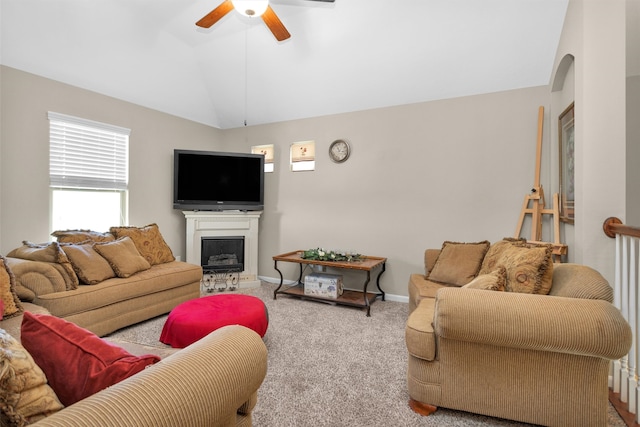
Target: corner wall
{"x":24,"y":155}
{"x":594,"y":33}
{"x":418,"y":175}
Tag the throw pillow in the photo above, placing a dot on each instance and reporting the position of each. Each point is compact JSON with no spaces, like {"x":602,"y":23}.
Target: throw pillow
{"x":458,"y":263}
{"x":25,"y":396}
{"x":77,"y":236}
{"x":10,"y":301}
{"x":88,"y":264}
{"x":77,"y":362}
{"x":123,"y":257}
{"x":494,"y":281}
{"x":529,"y":269}
{"x":148,"y":241}
{"x":47,"y":252}
{"x":494,"y":253}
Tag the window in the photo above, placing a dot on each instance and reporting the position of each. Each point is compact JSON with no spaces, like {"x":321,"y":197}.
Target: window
{"x":88,"y":173}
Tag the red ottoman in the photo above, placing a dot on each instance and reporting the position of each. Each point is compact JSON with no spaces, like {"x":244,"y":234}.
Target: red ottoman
{"x":194,"y":319}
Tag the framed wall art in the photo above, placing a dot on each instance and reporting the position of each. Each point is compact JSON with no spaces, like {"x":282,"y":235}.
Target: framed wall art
{"x":566,"y":142}
{"x":267,"y":151}
{"x":303,"y":156}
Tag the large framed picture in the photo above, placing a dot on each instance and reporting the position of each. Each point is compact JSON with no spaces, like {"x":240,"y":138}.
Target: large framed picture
{"x":567,"y":164}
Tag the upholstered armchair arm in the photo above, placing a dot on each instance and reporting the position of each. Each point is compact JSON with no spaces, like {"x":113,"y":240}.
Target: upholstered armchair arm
{"x":536,"y":322}
{"x":35,"y":278}
{"x":206,"y":384}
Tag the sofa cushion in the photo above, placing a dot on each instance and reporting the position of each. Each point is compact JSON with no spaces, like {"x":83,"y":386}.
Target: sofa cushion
{"x":10,"y":302}
{"x":494,"y":253}
{"x":47,"y":252}
{"x":25,"y":396}
{"x":494,"y":281}
{"x":77,"y":362}
{"x":77,"y":236}
{"x":150,"y":284}
{"x":12,"y":325}
{"x":458,"y":263}
{"x":89,"y":265}
{"x":123,"y":256}
{"x":529,"y":268}
{"x":419,"y":334}
{"x":148,"y":241}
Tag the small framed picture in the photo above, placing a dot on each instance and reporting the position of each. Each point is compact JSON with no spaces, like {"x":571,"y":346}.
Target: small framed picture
{"x":267,"y":152}
{"x":303,"y":156}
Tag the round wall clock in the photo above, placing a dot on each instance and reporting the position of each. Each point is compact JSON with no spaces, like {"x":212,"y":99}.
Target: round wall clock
{"x":339,"y":151}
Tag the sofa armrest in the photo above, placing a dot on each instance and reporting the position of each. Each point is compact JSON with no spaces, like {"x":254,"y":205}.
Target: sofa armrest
{"x":206,"y":384}
{"x":34,"y":278}
{"x":536,"y":322}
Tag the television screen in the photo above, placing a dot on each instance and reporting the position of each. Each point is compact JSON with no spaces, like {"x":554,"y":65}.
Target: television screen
{"x":209,"y":180}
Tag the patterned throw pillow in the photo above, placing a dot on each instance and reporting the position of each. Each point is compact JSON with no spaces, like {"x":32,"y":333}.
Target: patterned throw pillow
{"x":148,"y":241}
{"x":77,"y":236}
{"x":88,"y":264}
{"x":494,"y":253}
{"x":25,"y":396}
{"x":458,"y":263}
{"x":47,"y":252}
{"x":529,"y":268}
{"x":494,"y":281}
{"x":123,"y":257}
{"x":10,"y":301}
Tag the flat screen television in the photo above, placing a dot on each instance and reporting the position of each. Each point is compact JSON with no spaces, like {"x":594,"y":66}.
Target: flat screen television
{"x":217,"y":181}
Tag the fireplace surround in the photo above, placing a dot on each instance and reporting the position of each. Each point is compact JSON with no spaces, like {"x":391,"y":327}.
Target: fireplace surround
{"x":225,"y":225}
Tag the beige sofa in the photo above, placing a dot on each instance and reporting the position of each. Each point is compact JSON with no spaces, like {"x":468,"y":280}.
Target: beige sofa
{"x":535,"y":358}
{"x":142,"y":279}
{"x":195,"y":386}
{"x":112,"y":304}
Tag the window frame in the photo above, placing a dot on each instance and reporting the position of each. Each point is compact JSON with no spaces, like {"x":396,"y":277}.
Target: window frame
{"x":117,"y":175}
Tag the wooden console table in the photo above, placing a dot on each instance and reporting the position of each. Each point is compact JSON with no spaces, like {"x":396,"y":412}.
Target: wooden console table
{"x":362,"y":299}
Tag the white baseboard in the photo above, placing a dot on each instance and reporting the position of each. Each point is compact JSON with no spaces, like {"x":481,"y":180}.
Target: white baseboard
{"x":387,"y":296}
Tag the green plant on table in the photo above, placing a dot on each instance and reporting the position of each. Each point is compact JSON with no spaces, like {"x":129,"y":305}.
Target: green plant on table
{"x":320,"y":254}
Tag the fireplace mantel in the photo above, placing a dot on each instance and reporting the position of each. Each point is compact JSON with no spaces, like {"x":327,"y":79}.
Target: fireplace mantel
{"x":224,"y":224}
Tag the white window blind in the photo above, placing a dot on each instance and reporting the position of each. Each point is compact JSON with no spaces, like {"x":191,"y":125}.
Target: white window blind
{"x":87,"y":154}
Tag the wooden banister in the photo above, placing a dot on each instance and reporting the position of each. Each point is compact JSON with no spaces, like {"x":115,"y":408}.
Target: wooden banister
{"x":613,"y":226}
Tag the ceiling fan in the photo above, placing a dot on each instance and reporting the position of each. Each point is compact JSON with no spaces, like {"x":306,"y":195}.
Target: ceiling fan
{"x":251,"y":8}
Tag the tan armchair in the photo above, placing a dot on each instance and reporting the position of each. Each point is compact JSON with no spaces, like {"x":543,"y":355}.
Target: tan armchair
{"x":540,"y":359}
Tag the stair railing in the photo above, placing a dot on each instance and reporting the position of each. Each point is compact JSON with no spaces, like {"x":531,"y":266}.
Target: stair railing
{"x":626,"y":289}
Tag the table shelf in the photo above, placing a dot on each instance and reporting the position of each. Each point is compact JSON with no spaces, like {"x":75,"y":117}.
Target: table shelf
{"x":353,"y":298}
{"x":348,"y":297}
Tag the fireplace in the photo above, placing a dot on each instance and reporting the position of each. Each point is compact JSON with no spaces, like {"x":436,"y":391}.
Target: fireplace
{"x":226,"y":229}
{"x":222,"y":254}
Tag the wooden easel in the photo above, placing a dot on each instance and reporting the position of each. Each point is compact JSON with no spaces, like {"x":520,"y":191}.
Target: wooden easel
{"x":537,"y":209}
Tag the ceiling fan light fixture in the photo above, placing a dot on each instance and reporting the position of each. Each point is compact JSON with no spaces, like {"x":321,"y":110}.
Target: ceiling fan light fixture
{"x":250,"y":8}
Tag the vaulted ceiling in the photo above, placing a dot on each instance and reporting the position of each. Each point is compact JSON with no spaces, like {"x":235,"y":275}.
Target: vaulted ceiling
{"x":345,"y":56}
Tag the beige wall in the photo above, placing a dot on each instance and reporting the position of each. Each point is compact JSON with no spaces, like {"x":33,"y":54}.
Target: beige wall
{"x":455,"y":169}
{"x":594,"y":33}
{"x":633,"y":112}
{"x":633,"y":150}
{"x":419,"y":174}
{"x":24,"y":155}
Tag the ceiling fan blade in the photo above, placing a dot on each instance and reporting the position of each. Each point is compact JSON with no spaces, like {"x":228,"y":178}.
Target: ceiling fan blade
{"x":215,"y":15}
{"x":275,"y":25}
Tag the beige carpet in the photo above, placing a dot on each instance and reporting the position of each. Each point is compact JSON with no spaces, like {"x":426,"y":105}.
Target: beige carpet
{"x":333,"y":366}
